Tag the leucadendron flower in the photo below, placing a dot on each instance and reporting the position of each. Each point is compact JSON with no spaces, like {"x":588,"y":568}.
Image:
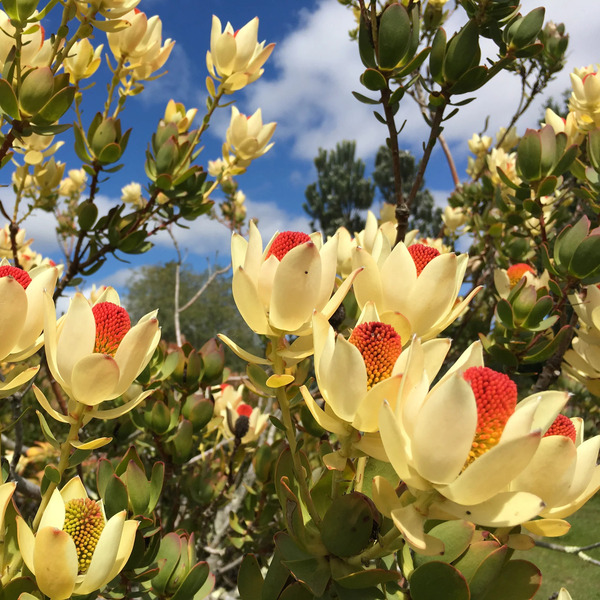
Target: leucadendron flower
{"x":459,"y":445}
{"x":563,"y":473}
{"x":277,"y":289}
{"x":94,"y":354}
{"x":355,"y":375}
{"x":415,"y":281}
{"x":247,"y":138}
{"x":506,"y":279}
{"x":582,"y":360}
{"x":236,"y":56}
{"x":75,"y":550}
{"x":22,"y":314}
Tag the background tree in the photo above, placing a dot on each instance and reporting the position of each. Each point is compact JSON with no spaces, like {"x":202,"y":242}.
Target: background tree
{"x":215,"y":313}
{"x":425,"y":216}
{"x":341,"y":190}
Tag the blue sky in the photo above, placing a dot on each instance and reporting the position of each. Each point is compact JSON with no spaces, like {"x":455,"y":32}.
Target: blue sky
{"x":306,"y":88}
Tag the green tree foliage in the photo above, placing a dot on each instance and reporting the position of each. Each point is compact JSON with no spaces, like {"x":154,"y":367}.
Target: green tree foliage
{"x":425,"y":216}
{"x":214,"y":312}
{"x":341,"y":190}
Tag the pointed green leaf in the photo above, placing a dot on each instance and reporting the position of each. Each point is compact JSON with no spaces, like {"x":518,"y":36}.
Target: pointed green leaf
{"x":8,"y":100}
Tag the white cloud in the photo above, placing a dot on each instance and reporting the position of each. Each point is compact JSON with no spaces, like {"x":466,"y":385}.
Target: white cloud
{"x":318,"y":66}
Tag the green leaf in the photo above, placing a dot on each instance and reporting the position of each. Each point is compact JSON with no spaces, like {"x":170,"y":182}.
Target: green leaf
{"x":373,"y":80}
{"x":566,"y":161}
{"x":115,"y":498}
{"x":394,"y":36}
{"x":47,"y":431}
{"x":485,"y":576}
{"x":586,"y":258}
{"x":296,"y":591}
{"x":104,"y":472}
{"x":547,"y":186}
{"x":471,"y":560}
{"x":539,"y":311}
{"x":529,"y":156}
{"x":568,"y":240}
{"x":277,"y":575}
{"x":456,"y":535}
{"x":313,"y":572}
{"x":593,"y":147}
{"x":436,"y":58}
{"x":518,"y":580}
{"x":505,"y":313}
{"x":347,"y":527}
{"x":470,"y":81}
{"x":427,"y":581}
{"x":56,"y":107}
{"x":193,"y":581}
{"x":365,"y":99}
{"x":277,"y":423}
{"x":413,"y":65}
{"x":138,"y":488}
{"x":462,"y":52}
{"x":8,"y":100}
{"x":250,"y":579}
{"x":528,"y":28}
{"x":36,"y":90}
{"x":368,"y":578}
{"x":365,"y":44}
{"x":52,"y":474}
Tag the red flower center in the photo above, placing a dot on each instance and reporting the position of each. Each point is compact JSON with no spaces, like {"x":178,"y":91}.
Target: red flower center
{"x":285,"y":241}
{"x":380,"y":346}
{"x":562,"y":426}
{"x":112,"y":323}
{"x":422,"y":255}
{"x":244,"y":410}
{"x":21,"y":276}
{"x":496,"y":397}
{"x":517,"y":272}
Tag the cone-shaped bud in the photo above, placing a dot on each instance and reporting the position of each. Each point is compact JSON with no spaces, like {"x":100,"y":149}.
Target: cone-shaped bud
{"x":285,"y":241}
{"x":21,"y":276}
{"x":517,"y":272}
{"x":496,"y":397}
{"x":380,"y":346}
{"x":112,"y":323}
{"x":422,"y":255}
{"x":84,"y":522}
{"x":562,"y":426}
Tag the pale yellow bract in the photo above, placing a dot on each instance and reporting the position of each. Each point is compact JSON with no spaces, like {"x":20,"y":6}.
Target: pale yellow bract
{"x":51,"y":555}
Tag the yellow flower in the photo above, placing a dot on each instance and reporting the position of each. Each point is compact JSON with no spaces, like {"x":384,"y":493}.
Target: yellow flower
{"x":75,"y":550}
{"x":6,"y":250}
{"x":416,"y":281}
{"x":356,"y":375}
{"x":247,"y":137}
{"x":585,"y":99}
{"x":175,"y":113}
{"x":83,"y":60}
{"x":563,"y":473}
{"x":94,"y":353}
{"x":567,"y":126}
{"x":22,"y":314}
{"x":110,"y":9}
{"x":141,"y":44}
{"x":582,"y":360}
{"x":237,"y":57}
{"x":458,"y":445}
{"x":278,"y":289}
{"x":506,"y":279}
{"x":454,"y":218}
